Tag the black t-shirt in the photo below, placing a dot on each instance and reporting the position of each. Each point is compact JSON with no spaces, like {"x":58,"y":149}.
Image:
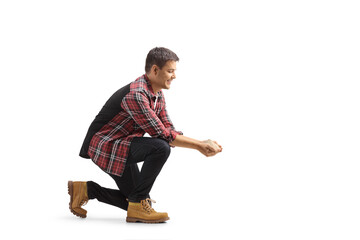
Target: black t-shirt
{"x":111,"y":108}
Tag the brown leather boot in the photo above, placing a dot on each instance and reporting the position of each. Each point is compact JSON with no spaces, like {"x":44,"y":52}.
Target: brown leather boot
{"x":143,"y":212}
{"x":78,"y":197}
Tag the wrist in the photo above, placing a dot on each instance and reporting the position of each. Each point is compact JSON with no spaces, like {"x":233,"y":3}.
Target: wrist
{"x":183,"y":141}
{"x":198,"y":145}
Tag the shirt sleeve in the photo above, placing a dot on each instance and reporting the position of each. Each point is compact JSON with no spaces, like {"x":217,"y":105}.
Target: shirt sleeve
{"x":137,"y":105}
{"x":165,"y":119}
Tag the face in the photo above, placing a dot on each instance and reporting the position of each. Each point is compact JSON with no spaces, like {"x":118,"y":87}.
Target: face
{"x":163,"y":77}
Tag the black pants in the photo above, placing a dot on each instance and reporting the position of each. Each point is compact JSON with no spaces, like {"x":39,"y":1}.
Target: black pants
{"x":134,"y":184}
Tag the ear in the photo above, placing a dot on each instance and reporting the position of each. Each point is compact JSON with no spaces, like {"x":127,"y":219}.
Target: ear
{"x":155,"y":69}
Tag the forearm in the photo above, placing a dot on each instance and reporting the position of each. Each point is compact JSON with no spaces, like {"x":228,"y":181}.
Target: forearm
{"x":186,"y":142}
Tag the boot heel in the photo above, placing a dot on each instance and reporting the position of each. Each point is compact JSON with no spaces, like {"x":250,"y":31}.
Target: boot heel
{"x":133,"y":220}
{"x":70,"y":188}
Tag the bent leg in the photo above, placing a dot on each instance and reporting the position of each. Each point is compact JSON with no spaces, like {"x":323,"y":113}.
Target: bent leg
{"x":154,"y":152}
{"x":130,"y":178}
{"x":118,"y":198}
{"x":106,"y":195}
{"x":133,"y":184}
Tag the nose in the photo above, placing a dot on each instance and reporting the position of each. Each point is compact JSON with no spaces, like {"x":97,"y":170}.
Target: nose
{"x":173,"y":76}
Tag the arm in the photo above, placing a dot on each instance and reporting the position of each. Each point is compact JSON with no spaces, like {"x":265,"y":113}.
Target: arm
{"x":137,"y":105}
{"x":187,"y":142}
{"x":208,"y":148}
{"x":165,"y":119}
{"x":164,"y":116}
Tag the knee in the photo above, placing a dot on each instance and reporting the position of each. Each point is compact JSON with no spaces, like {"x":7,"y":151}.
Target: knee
{"x":164,"y":148}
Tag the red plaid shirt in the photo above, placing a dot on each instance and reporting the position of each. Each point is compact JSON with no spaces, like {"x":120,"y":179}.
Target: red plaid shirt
{"x":110,"y":146}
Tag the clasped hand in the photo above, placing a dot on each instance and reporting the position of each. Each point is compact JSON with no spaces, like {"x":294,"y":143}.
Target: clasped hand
{"x":209,"y":148}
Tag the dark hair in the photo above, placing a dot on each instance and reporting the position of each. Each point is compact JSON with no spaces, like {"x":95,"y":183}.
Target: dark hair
{"x":159,"y":56}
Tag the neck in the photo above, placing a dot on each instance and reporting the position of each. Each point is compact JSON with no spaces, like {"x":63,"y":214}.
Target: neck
{"x":154,"y":87}
{"x":156,"y":90}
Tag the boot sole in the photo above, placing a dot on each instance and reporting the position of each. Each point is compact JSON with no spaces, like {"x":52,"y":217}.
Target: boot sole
{"x":134,"y":220}
{"x":70,"y":192}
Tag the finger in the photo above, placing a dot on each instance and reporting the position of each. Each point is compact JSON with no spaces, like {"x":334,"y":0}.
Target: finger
{"x":218,"y":144}
{"x":211,"y":149}
{"x":212,"y":153}
{"x":214,"y":150}
{"x":209,"y":152}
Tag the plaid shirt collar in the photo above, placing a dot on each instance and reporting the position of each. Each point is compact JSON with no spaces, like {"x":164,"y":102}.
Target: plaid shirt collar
{"x":150,"y":89}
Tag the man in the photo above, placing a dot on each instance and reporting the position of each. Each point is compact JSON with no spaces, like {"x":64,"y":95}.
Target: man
{"x":116,"y":144}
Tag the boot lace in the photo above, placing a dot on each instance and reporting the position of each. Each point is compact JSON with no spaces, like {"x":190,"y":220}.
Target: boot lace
{"x":84,"y":202}
{"x":146,"y":204}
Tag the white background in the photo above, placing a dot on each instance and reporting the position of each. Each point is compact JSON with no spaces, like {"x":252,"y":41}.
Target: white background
{"x":275,"y":82}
